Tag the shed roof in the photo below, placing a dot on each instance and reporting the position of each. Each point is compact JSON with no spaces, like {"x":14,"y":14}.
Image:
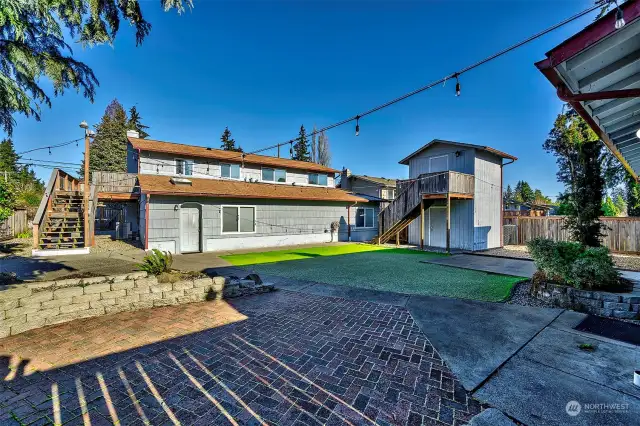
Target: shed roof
{"x":158,"y":184}
{"x":465,"y":145}
{"x":378,"y":180}
{"x":219,"y":154}
{"x":597,"y":71}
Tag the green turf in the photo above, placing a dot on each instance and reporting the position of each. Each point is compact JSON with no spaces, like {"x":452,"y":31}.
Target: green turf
{"x":376,"y":268}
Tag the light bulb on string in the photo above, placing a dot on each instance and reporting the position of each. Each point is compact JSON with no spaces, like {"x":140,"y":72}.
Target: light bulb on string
{"x":49,"y":150}
{"x":291,"y":148}
{"x":619,"y":18}
{"x":457,"y":86}
{"x":357,"y":125}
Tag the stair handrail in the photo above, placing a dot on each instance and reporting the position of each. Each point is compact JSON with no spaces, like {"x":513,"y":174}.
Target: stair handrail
{"x":42,"y":208}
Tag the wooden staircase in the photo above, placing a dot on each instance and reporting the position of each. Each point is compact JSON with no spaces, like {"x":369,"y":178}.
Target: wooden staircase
{"x":59,"y":223}
{"x":64,"y":225}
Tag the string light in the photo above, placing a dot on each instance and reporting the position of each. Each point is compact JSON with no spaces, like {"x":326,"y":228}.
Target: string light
{"x":619,"y":17}
{"x":457,"y":85}
{"x":357,"y":125}
{"x":291,"y":148}
{"x":49,"y":150}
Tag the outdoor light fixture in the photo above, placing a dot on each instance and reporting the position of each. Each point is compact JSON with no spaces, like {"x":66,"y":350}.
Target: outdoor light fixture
{"x":457,"y":86}
{"x":619,"y":18}
{"x":84,"y":125}
{"x":357,"y":125}
{"x":638,"y":133}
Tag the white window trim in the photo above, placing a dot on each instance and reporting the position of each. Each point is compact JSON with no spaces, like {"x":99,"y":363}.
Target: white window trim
{"x":175,"y":165}
{"x":255,"y":227}
{"x":232,"y":178}
{"x":439,"y":156}
{"x":365,"y":218}
{"x":274,"y":175}
{"x":317,"y":184}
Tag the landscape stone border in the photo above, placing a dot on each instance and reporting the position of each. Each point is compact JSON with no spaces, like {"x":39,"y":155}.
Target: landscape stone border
{"x":615,"y":305}
{"x":32,"y":305}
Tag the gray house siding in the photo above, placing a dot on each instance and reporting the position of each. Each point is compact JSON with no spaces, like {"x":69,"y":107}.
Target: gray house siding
{"x":360,"y":234}
{"x":276,"y":223}
{"x":461,"y":225}
{"x":464,"y":163}
{"x":488,"y":196}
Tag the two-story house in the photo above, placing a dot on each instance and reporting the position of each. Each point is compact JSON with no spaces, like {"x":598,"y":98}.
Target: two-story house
{"x":196,"y":199}
{"x":378,"y":190}
{"x":452,"y":199}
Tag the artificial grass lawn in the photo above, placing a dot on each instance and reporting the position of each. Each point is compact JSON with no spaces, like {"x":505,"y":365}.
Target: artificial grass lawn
{"x":378,"y":268}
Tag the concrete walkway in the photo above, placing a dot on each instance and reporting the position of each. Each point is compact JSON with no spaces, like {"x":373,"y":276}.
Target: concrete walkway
{"x":496,"y":265}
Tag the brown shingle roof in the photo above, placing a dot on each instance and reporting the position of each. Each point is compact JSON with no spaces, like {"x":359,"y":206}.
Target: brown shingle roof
{"x":218,"y":154}
{"x":156,"y":184}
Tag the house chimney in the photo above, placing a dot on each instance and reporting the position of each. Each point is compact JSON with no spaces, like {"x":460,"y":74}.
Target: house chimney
{"x":133,"y":134}
{"x":344,"y":179}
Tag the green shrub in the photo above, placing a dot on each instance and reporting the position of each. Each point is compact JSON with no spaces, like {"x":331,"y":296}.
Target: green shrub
{"x":555,"y":259}
{"x":573,"y":264}
{"x":594,"y":269}
{"x":26,"y":234}
{"x":157,"y":262}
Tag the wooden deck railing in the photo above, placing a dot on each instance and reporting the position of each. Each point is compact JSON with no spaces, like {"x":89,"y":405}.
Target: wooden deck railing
{"x":411,"y":192}
{"x":115,"y":182}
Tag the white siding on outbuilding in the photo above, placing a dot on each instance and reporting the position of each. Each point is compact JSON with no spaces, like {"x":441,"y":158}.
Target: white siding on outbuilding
{"x":488,"y":201}
{"x":424,"y":161}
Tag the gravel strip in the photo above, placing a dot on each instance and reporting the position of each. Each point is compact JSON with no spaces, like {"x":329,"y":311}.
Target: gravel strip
{"x":521,"y":296}
{"x":622,"y":261}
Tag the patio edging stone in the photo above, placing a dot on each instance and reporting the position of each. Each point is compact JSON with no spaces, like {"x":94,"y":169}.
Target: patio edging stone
{"x":27,"y":306}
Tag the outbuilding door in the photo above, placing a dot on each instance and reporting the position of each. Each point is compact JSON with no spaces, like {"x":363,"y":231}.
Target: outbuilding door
{"x":437,"y":226}
{"x":189,"y":229}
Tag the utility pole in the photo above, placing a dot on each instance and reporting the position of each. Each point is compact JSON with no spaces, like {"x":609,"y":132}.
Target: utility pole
{"x":85,"y":126}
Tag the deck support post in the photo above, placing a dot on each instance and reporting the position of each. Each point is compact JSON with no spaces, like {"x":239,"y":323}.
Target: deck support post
{"x":421,"y":224}
{"x":448,"y":223}
{"x":85,"y":197}
{"x":36,"y":235}
{"x":397,"y":239}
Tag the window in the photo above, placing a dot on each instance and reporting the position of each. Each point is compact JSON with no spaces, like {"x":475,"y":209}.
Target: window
{"x":364,"y":218}
{"x":274,"y":175}
{"x":388,"y":194}
{"x":184,"y":167}
{"x":231,"y":171}
{"x":237,"y":219}
{"x":317,"y":179}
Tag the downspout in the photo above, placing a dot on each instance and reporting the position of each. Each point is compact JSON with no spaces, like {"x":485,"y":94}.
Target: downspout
{"x":146,"y":221}
{"x":139,"y":153}
{"x":502,"y":202}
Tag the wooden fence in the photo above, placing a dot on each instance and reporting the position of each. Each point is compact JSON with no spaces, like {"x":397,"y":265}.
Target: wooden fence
{"x":14,"y":224}
{"x":622,"y":233}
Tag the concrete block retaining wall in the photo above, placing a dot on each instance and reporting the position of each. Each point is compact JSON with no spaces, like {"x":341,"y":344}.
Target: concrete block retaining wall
{"x":616,"y":305}
{"x":31,"y":305}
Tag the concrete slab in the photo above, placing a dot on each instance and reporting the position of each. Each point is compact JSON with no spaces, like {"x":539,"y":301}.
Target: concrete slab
{"x":475,"y":338}
{"x":536,"y":394}
{"x":496,"y":265}
{"x":490,"y":417}
{"x":610,"y":364}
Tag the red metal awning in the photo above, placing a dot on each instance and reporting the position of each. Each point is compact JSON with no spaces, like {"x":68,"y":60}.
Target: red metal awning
{"x":597,"y":71}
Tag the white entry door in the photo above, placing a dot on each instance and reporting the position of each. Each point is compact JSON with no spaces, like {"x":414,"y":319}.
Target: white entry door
{"x":189,"y":229}
{"x":437,"y":226}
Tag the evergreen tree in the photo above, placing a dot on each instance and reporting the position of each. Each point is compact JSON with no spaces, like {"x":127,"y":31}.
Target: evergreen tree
{"x":26,"y":187}
{"x":135,"y":123}
{"x":523,"y":192}
{"x":579,"y":154}
{"x":609,"y":208}
{"x":108,"y":150}
{"x":620,"y":204}
{"x":324,"y":153}
{"x":540,"y":198}
{"x":508,"y":194}
{"x":632,"y":196}
{"x":228,"y":143}
{"x":7,"y":199}
{"x":8,"y":159}
{"x":300,"y":148}
{"x":33,"y":47}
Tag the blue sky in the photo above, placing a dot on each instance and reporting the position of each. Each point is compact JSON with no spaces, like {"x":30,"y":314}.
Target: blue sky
{"x":263,"y":68}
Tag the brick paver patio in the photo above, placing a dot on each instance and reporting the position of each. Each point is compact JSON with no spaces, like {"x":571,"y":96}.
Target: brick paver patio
{"x":279,"y":358}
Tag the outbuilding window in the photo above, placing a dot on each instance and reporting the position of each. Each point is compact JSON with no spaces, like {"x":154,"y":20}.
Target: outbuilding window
{"x":238,"y":219}
{"x":364,"y":217}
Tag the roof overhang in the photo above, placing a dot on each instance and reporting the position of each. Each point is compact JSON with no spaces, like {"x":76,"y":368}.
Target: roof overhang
{"x":494,"y":151}
{"x":597,"y":71}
